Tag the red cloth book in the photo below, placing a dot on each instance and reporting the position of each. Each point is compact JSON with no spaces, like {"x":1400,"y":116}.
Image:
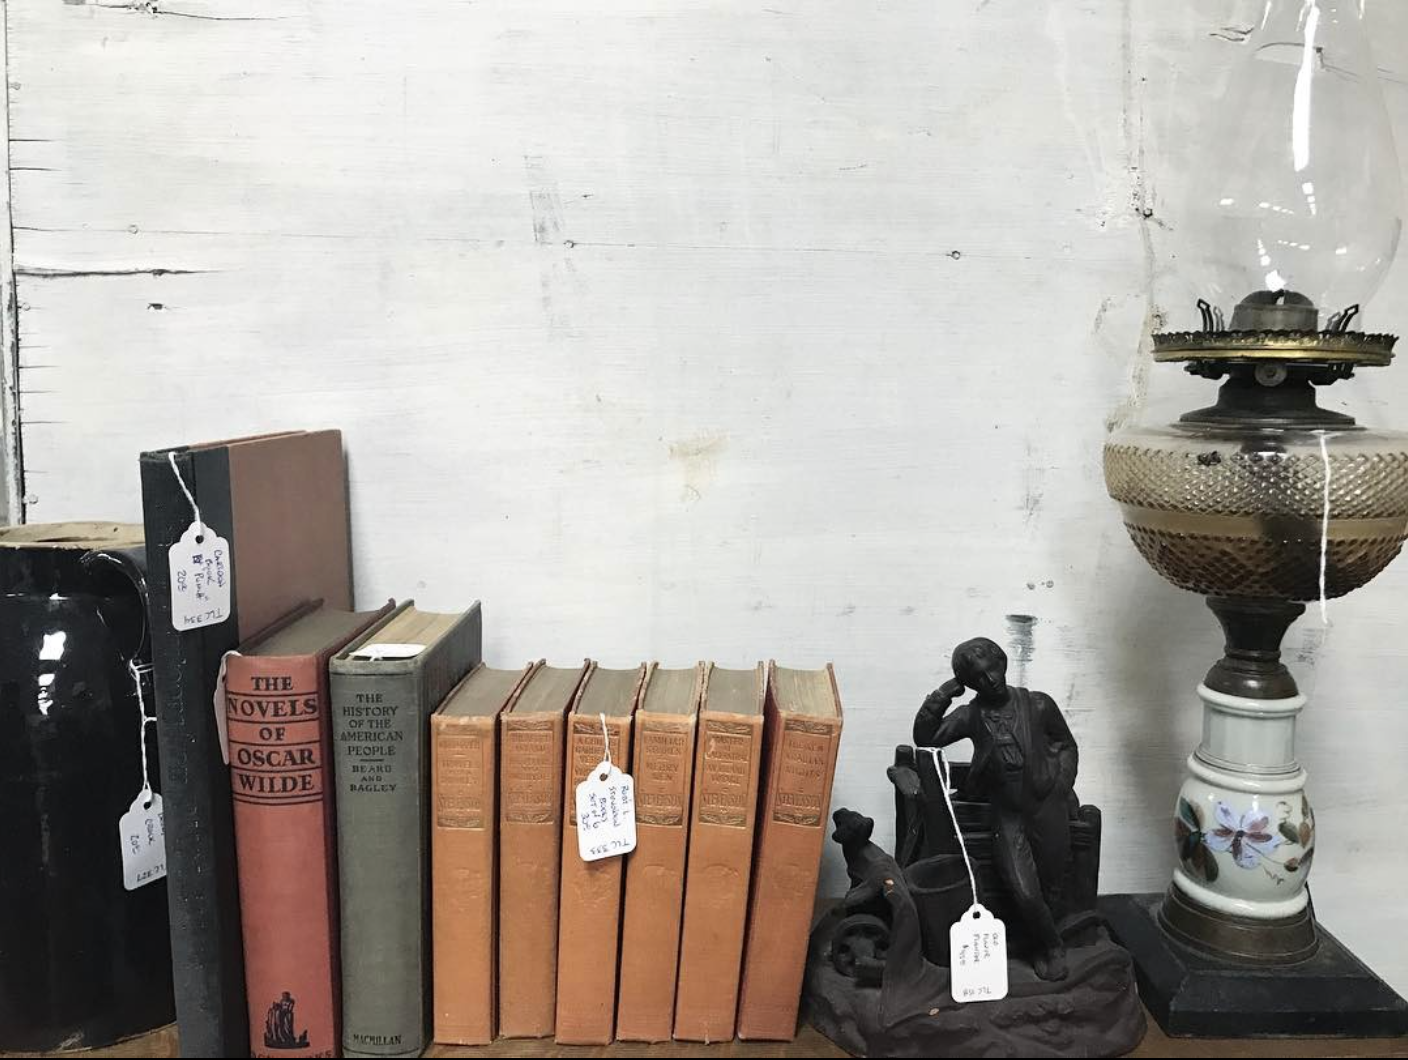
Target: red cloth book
{"x":276,"y":705}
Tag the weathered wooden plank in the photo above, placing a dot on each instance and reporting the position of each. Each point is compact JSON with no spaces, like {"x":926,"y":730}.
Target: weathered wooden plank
{"x":708,"y":330}
{"x":11,"y":503}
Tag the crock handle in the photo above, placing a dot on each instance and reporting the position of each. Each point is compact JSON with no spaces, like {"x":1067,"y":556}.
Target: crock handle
{"x":132,"y":564}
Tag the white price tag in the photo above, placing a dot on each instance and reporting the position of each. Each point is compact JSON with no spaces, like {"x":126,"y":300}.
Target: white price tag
{"x":978,"y":956}
{"x":200,"y":578}
{"x":143,"y":837}
{"x":222,"y":715}
{"x":606,"y":813}
{"x":377,"y":652}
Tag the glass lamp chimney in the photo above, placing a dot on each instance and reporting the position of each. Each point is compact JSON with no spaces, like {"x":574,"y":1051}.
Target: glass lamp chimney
{"x":1296,"y":208}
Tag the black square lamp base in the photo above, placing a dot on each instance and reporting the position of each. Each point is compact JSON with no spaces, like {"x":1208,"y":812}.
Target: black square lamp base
{"x":1333,"y":994}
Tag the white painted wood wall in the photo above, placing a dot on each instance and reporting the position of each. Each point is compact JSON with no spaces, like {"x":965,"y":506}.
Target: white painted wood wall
{"x":693,"y":329}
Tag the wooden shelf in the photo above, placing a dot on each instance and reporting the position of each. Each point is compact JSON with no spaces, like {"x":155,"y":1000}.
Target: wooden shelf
{"x":810,"y":1043}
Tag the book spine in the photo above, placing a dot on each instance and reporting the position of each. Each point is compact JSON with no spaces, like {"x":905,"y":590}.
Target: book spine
{"x":464,"y":819}
{"x":206,"y":945}
{"x":589,"y":916}
{"x":280,"y":773}
{"x":801,"y":764}
{"x":716,"y":882}
{"x":379,"y":728}
{"x":530,"y":839}
{"x":442,"y":669}
{"x":650,"y":928}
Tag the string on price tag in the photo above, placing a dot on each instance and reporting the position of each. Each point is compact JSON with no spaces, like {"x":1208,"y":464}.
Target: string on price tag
{"x":141,"y":830}
{"x":200,"y":569}
{"x":977,"y":940}
{"x":606,"y":809}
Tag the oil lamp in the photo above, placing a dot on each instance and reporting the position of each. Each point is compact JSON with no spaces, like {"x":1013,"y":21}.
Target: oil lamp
{"x":1261,"y":502}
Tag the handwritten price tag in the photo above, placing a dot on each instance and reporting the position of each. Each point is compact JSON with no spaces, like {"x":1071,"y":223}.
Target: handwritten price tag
{"x":978,"y":956}
{"x":200,"y":578}
{"x":606,"y":813}
{"x":142,"y":832}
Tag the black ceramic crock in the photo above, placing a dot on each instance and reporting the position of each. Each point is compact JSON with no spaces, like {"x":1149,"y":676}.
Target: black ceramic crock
{"x":83,"y":961}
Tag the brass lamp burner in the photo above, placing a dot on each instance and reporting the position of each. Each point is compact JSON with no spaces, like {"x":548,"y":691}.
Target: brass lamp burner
{"x":1354,"y":348}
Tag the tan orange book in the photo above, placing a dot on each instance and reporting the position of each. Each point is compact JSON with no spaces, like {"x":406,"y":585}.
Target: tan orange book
{"x":801,"y":737}
{"x":663,"y":768}
{"x":464,"y":784}
{"x":726,"y":765}
{"x":589,"y":914}
{"x":531,"y":744}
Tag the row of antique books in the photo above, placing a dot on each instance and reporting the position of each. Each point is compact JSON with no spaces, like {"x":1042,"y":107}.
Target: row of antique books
{"x":407,"y":852}
{"x":273,"y":512}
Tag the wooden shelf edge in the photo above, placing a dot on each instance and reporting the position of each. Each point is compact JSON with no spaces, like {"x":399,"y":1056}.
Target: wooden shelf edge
{"x":163,"y":1043}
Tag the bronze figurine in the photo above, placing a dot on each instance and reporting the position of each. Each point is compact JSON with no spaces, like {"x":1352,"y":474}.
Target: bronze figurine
{"x":878,"y":980}
{"x":1024,"y":767}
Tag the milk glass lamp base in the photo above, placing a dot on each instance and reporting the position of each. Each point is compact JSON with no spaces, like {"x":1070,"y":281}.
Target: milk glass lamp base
{"x":1330,"y":994}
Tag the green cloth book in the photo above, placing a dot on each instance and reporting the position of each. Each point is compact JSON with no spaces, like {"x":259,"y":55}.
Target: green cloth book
{"x":385,"y":686}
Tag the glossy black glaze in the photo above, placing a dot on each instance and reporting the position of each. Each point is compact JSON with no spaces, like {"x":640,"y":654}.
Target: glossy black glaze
{"x":83,"y":962}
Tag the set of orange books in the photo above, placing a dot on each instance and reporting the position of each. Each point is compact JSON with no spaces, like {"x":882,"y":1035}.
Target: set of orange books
{"x":701,"y":932}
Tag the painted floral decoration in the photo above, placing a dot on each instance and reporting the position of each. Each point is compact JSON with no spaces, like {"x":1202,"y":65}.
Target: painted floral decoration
{"x":1302,"y":835}
{"x":1248,"y":838}
{"x":1192,"y":851}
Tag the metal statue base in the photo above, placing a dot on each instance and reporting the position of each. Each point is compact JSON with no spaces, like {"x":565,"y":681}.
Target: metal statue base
{"x":1094,"y":1011}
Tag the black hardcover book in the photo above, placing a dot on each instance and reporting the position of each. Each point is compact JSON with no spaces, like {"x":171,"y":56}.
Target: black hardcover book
{"x":280,"y":503}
